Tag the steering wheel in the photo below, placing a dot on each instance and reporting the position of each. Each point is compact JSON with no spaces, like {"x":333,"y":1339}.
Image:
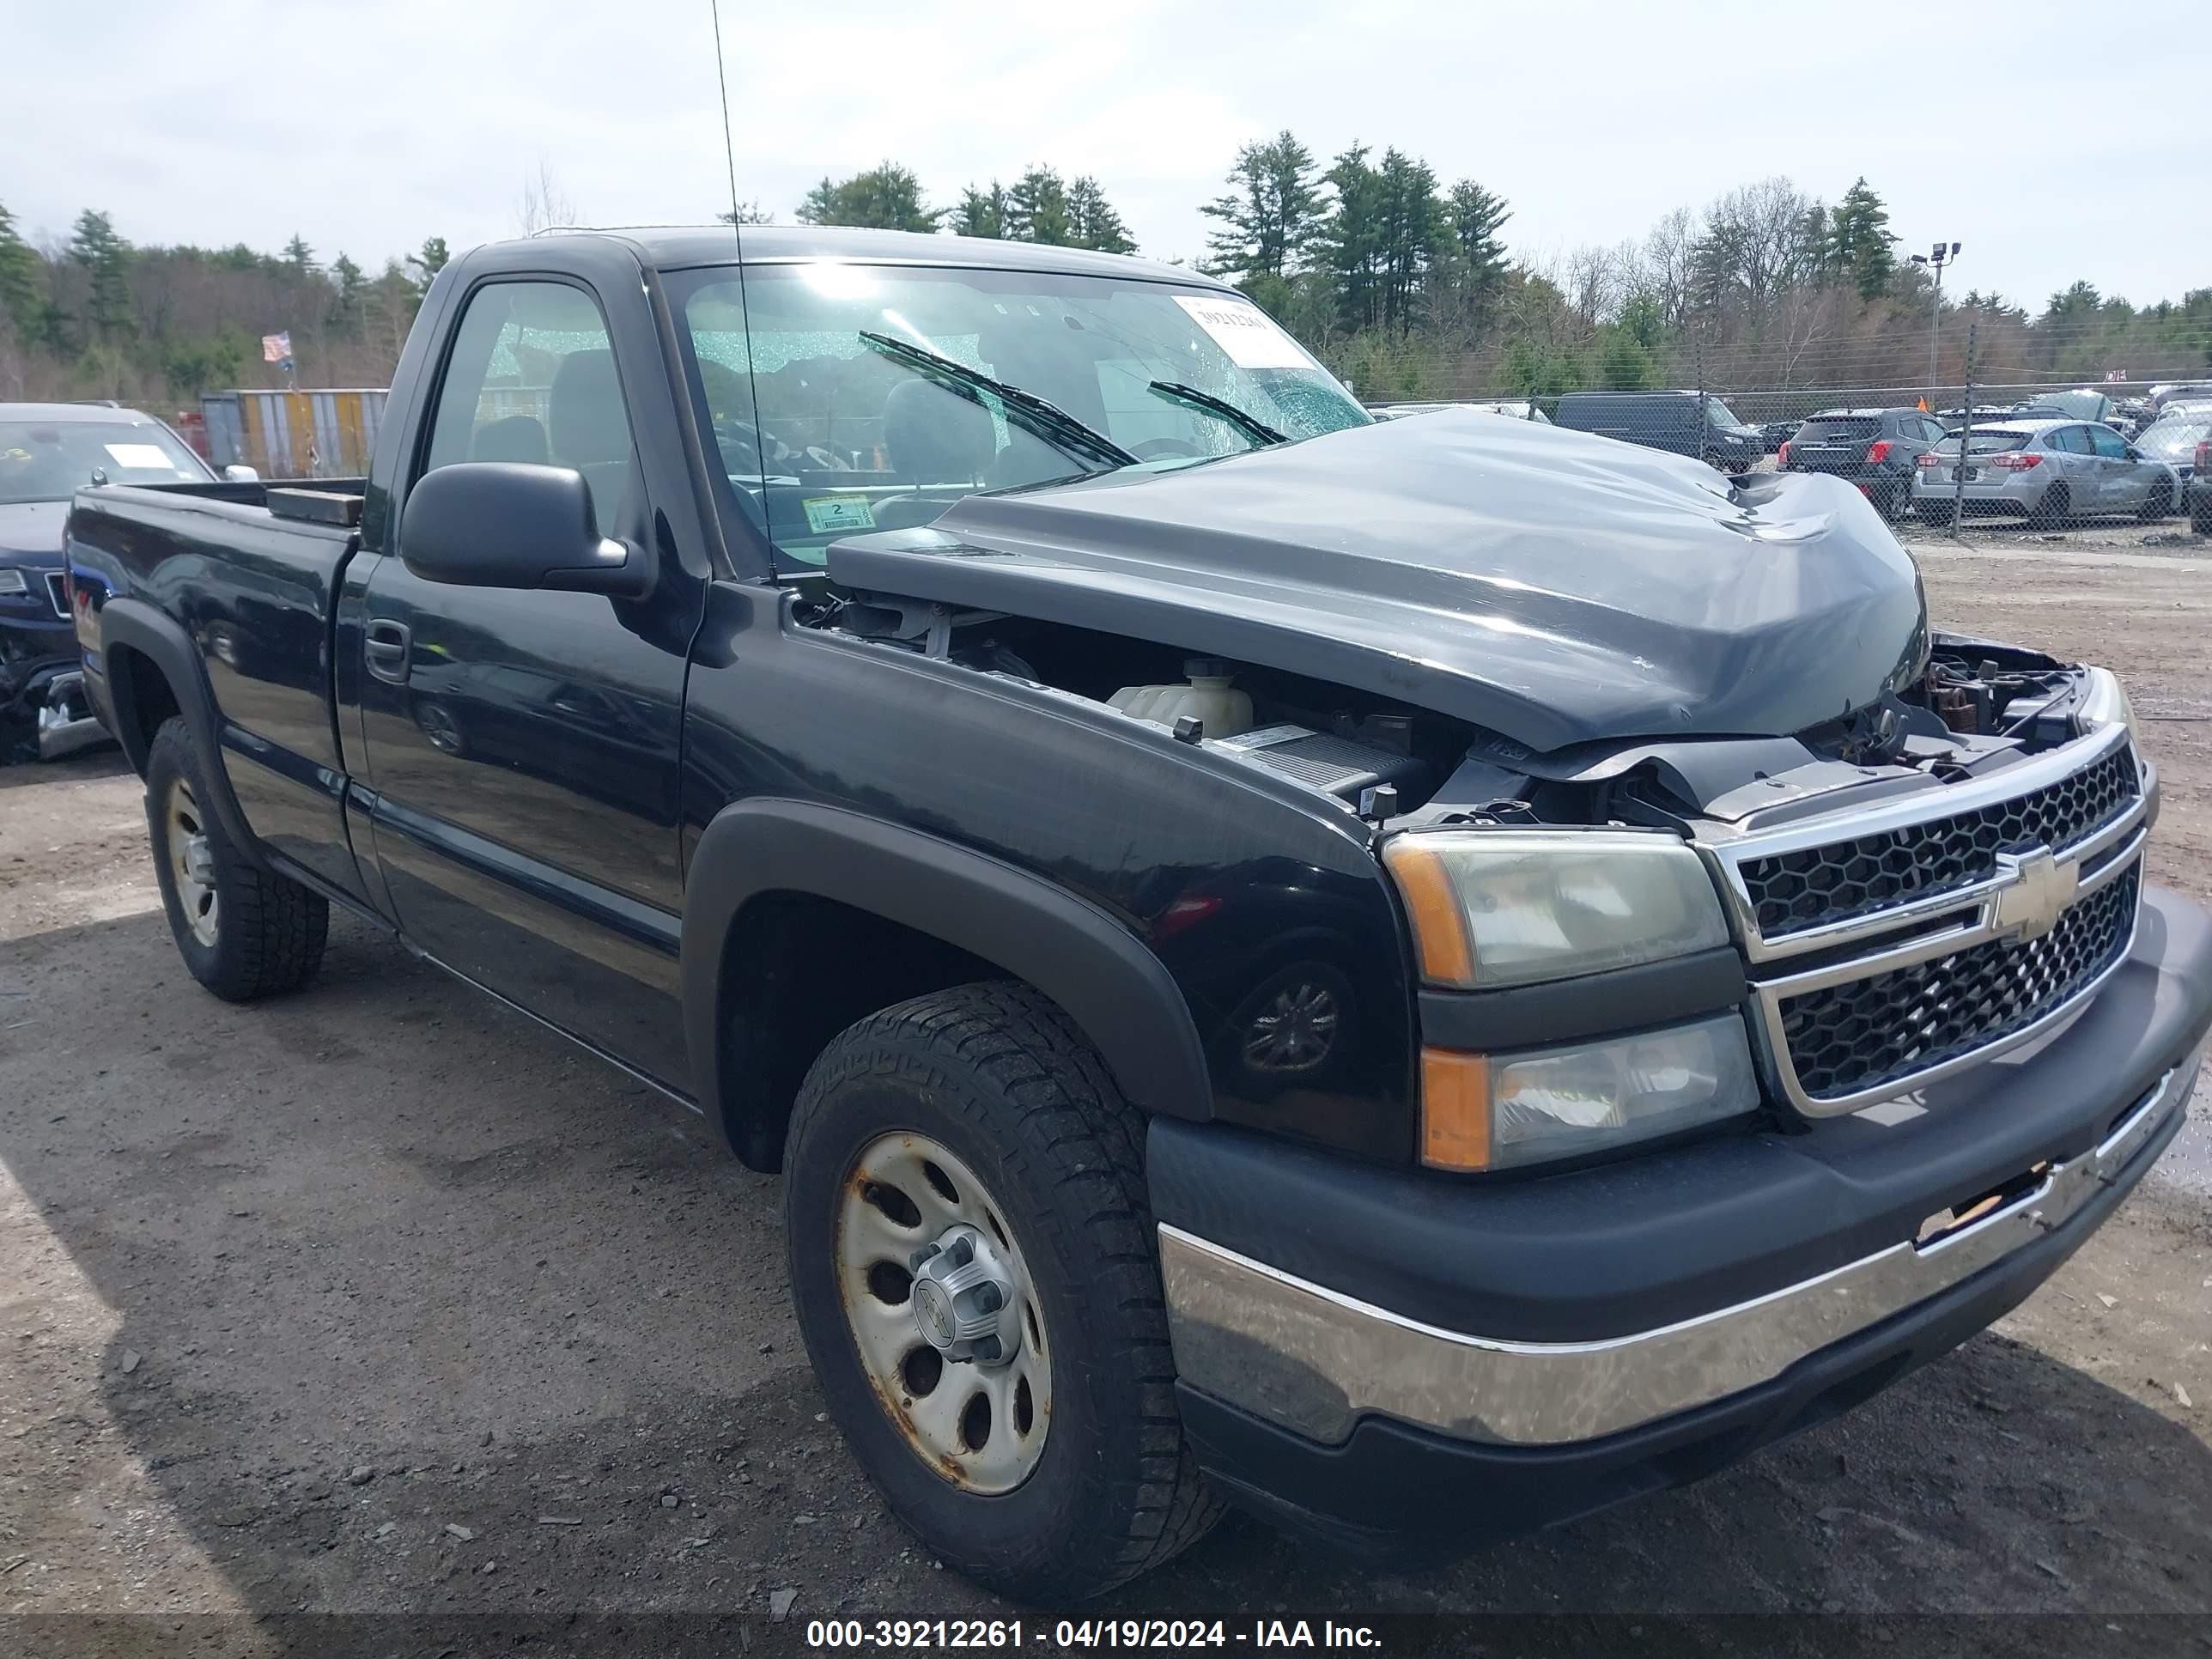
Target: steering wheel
{"x":1161,"y":449}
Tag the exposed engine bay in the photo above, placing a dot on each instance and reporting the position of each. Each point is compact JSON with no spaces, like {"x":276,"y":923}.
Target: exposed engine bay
{"x":1976,"y":708}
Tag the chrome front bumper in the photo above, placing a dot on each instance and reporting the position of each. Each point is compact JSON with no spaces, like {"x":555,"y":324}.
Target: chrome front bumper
{"x":62,"y":730}
{"x":1313,"y":1361}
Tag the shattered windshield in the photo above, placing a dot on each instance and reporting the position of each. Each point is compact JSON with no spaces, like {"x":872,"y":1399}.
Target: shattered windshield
{"x":848,"y":437}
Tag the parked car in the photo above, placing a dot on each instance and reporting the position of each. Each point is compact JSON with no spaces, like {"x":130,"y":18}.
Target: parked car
{"x":1673,"y":420}
{"x":2175,"y":441}
{"x":2052,"y":472}
{"x":2200,"y":490}
{"x":1403,"y":1067}
{"x":2172,"y":392}
{"x":47,"y":451}
{"x":1876,"y":449}
{"x":1775,"y":434}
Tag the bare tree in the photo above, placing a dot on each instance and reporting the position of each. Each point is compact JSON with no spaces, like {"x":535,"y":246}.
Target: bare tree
{"x":542,"y":203}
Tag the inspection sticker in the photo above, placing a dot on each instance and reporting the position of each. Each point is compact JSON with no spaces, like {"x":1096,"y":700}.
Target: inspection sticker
{"x":1243,"y":330}
{"x":150,"y":455}
{"x":828,"y":513}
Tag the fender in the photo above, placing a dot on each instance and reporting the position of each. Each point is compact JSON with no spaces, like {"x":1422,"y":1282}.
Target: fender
{"x":162,"y":640}
{"x":1074,"y":951}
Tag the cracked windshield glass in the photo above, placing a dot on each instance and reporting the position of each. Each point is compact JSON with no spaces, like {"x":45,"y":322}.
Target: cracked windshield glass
{"x":854,"y":435}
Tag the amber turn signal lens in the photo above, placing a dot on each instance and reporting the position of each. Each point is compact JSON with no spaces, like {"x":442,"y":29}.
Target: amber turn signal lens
{"x":1455,"y":1109}
{"x":1431,"y":902}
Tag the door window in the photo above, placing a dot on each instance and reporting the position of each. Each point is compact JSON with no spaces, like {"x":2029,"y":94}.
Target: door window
{"x":2071,"y":440}
{"x":532,"y":378}
{"x":2109,"y":445}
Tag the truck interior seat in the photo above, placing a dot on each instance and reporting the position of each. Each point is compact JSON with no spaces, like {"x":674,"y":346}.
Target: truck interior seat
{"x":588,"y":430}
{"x":516,"y":438}
{"x":935,"y":436}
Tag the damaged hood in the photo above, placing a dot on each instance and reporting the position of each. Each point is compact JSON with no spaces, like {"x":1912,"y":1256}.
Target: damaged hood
{"x":1552,"y":586}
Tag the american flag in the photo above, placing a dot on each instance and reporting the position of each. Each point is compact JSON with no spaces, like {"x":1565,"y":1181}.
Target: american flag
{"x":276,"y":348}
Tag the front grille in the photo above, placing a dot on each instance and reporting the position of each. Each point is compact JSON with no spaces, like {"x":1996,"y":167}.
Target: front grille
{"x":57,"y":591}
{"x":1846,"y":1038}
{"x":1790,"y":892}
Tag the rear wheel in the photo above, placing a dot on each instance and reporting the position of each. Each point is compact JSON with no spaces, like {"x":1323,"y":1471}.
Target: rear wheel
{"x":2054,"y":510}
{"x":1898,"y":502}
{"x":244,"y":931}
{"x":973,"y":1258}
{"x":2158,"y":503}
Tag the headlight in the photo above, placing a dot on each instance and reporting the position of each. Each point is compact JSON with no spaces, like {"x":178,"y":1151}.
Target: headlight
{"x":1507,"y":1111}
{"x":2105,"y":703}
{"x":1507,"y":908}
{"x":11,"y":581}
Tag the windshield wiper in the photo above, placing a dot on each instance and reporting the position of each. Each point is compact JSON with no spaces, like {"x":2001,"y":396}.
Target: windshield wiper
{"x":1047,"y":419}
{"x":1251,"y":426}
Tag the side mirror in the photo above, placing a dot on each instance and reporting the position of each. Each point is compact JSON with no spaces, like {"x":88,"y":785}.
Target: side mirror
{"x":512,"y":523}
{"x":235,"y":474}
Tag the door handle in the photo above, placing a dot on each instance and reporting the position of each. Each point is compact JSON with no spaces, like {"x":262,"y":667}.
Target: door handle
{"x":385,"y":646}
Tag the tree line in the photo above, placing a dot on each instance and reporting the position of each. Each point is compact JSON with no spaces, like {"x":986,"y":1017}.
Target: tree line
{"x":1401,"y":282}
{"x":96,"y":316}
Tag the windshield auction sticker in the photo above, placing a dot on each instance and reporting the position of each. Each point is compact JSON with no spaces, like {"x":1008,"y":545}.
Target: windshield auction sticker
{"x":1243,"y":330}
{"x":826,"y":514}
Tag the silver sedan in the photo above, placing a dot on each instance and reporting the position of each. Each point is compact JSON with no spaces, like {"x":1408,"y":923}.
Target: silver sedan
{"x":2049,"y":471}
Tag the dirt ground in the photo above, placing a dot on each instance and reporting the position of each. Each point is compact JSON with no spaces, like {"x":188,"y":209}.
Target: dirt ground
{"x":382,"y":1301}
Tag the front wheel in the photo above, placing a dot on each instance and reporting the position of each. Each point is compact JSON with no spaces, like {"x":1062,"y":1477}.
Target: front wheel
{"x":2053,"y":512}
{"x":2157,"y":504}
{"x":974,"y":1262}
{"x":244,"y":931}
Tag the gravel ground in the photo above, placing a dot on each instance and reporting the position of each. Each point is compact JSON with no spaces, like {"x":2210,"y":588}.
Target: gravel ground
{"x":382,"y":1301}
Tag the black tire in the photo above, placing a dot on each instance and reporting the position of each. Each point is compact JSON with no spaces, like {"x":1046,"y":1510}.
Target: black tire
{"x":1899,"y":507}
{"x":1002,"y":1078}
{"x":2158,"y":504}
{"x":268,"y":931}
{"x":2054,"y":510}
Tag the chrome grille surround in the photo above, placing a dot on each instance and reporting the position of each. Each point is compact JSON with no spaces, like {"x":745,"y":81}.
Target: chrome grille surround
{"x":1997,"y":909}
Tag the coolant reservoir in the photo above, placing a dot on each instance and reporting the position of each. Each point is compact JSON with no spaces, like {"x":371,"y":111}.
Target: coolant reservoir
{"x":1222,"y":710}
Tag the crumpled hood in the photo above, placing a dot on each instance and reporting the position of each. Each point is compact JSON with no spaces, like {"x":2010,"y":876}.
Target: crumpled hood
{"x":31,"y":532}
{"x":1552,"y":586}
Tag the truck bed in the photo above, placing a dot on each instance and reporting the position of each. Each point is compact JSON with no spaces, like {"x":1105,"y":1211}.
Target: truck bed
{"x":240,"y":580}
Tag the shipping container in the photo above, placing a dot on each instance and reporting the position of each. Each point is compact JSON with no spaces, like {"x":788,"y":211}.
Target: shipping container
{"x":295,"y":434}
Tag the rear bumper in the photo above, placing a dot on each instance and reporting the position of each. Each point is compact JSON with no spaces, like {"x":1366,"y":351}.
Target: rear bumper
{"x":1496,"y":1374}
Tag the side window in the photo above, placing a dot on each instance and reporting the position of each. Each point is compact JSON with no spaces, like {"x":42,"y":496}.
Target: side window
{"x":2071,"y":440}
{"x":2109,"y":443}
{"x":532,"y":378}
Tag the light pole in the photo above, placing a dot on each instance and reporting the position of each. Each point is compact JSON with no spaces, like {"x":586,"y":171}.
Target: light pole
{"x":1935,"y":260}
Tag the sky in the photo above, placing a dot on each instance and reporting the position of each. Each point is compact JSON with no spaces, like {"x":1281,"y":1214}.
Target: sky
{"x":2055,"y":142}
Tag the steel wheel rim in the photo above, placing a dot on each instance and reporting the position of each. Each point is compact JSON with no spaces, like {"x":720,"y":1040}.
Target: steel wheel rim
{"x":191,"y":862}
{"x":989,"y":1447}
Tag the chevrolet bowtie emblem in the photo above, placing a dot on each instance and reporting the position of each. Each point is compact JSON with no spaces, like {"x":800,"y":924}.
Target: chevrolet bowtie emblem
{"x":2040,"y":889}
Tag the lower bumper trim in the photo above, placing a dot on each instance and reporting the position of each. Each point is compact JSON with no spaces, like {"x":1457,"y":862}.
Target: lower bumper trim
{"x":1316,"y":1362}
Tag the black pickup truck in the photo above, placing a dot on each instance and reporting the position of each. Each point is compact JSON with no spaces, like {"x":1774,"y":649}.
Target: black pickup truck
{"x":1427,"y":976}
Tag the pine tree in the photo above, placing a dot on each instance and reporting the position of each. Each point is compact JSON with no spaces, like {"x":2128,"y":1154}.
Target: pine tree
{"x":1037,"y":209}
{"x":1272,"y":215}
{"x":19,"y":276}
{"x":981,"y":212}
{"x":1092,"y":222}
{"x":1479,"y":266}
{"x":106,"y":259}
{"x":429,"y":262}
{"x":887,"y":196}
{"x":1861,"y":250}
{"x":1350,"y":241}
{"x":346,"y":312}
{"x":300,"y":257}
